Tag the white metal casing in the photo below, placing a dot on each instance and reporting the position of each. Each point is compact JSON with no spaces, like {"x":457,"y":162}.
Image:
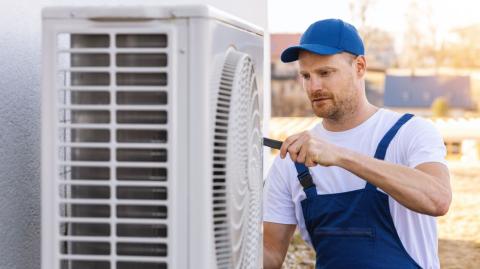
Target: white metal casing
{"x":198,"y":37}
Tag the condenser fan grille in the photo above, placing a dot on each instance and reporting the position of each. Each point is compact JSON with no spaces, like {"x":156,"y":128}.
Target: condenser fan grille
{"x":237,"y":165}
{"x":113,"y":119}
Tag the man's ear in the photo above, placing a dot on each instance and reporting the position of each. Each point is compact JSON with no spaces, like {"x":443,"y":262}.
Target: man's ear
{"x":361,"y":66}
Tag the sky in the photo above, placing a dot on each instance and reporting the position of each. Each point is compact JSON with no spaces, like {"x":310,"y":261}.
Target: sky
{"x":390,"y":15}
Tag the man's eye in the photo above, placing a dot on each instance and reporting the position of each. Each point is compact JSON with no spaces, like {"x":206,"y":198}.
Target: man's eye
{"x":324,"y":73}
{"x":305,"y":76}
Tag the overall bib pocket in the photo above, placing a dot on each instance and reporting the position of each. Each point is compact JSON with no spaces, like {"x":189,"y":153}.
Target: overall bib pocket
{"x":345,"y":232}
{"x":344,"y":245}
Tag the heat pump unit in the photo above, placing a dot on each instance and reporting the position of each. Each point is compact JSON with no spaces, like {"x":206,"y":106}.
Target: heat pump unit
{"x":151,"y":139}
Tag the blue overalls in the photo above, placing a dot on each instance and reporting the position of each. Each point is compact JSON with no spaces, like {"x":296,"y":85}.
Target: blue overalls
{"x":354,"y":229}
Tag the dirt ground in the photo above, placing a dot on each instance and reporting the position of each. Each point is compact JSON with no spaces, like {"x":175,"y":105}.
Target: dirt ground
{"x":459,"y":230}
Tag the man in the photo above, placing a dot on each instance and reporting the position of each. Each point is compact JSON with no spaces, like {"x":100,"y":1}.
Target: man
{"x":365,"y":185}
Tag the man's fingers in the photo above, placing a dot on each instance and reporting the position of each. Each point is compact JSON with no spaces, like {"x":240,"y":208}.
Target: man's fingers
{"x":295,"y":147}
{"x":286,"y":144}
{"x":309,"y":162}
{"x":302,"y":154}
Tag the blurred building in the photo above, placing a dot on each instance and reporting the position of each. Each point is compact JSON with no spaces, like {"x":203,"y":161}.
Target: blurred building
{"x":461,"y":136}
{"x":288,"y":97}
{"x":416,"y":94}
{"x":278,"y":43}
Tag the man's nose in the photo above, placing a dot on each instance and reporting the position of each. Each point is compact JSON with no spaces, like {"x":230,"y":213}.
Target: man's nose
{"x":316,"y":83}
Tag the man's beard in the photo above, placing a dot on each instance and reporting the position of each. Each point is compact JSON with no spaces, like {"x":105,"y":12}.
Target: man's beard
{"x":334,"y":109}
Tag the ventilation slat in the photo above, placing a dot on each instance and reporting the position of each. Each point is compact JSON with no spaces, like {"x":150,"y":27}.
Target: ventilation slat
{"x":141,"y":249}
{"x":74,"y":97}
{"x":84,"y":257}
{"x":141,"y":193}
{"x":142,"y":50}
{"x":124,"y":126}
{"x":143,"y":265}
{"x":88,"y":40}
{"x":130,"y":145}
{"x":85,"y":248}
{"x":141,"y":98}
{"x":123,"y":88}
{"x":142,"y":211}
{"x":139,"y":79}
{"x":141,"y":40}
{"x":147,"y":239}
{"x":141,"y":59}
{"x":71,"y":230}
{"x":103,"y":220}
{"x":142,"y":116}
{"x":130,"y":164}
{"x":78,"y":264}
{"x":83,"y":50}
{"x":141,"y":230}
{"x":159,"y":109}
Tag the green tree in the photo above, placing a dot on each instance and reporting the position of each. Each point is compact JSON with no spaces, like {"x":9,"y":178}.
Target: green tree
{"x":440,"y":107}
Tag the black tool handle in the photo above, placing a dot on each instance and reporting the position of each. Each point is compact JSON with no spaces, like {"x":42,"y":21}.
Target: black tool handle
{"x":272,"y":143}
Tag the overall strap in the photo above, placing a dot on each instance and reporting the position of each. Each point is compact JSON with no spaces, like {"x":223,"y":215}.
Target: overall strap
{"x":303,"y":175}
{"x":385,"y":142}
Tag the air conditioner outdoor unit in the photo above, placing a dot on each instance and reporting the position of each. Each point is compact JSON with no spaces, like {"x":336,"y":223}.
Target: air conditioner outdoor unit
{"x":151,"y":139}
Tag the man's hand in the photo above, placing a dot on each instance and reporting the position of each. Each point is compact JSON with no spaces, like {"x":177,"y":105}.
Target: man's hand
{"x":310,"y":150}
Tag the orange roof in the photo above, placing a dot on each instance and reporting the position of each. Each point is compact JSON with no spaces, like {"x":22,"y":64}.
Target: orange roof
{"x":279,"y":42}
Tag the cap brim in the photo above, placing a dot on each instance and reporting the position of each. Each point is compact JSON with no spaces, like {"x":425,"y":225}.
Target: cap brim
{"x":291,"y":54}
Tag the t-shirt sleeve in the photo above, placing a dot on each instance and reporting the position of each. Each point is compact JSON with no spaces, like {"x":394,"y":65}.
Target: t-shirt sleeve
{"x":424,"y":143}
{"x":278,"y":206}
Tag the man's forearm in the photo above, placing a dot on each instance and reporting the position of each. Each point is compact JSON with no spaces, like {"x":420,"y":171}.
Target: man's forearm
{"x":271,"y":259}
{"x":276,"y":238}
{"x":412,"y":188}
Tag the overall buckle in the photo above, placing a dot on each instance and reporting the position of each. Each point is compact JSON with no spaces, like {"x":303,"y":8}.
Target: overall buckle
{"x":305,"y":180}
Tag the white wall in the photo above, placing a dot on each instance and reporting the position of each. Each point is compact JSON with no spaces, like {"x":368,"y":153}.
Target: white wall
{"x":20,"y":24}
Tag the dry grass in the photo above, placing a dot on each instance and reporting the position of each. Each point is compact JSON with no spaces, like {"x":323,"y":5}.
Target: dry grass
{"x":459,"y":230}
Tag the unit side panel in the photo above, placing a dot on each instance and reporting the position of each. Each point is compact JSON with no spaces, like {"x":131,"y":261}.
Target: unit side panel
{"x":207,"y":58}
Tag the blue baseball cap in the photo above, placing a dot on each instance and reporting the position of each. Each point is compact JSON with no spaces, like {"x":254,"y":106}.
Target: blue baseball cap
{"x":327,"y":37}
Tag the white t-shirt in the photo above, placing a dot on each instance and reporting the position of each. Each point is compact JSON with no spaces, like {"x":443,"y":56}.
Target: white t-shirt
{"x":417,"y":142}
